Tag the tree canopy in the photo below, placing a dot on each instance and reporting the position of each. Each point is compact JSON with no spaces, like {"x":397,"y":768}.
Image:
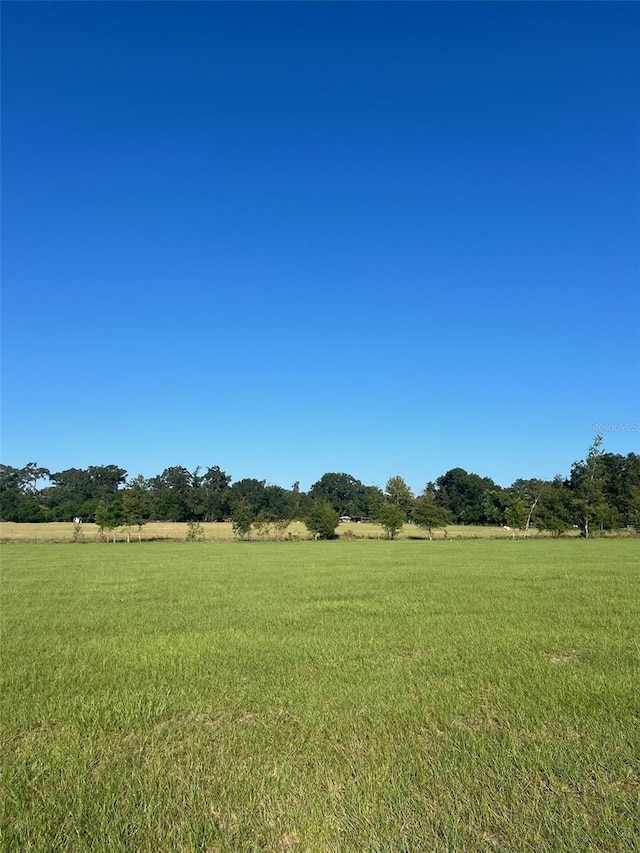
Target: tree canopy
{"x":601,"y":492}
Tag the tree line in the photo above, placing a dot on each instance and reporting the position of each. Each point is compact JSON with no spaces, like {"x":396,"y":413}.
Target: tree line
{"x":601,"y":492}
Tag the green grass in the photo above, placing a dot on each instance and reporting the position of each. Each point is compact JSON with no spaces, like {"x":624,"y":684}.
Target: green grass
{"x":312,"y":696}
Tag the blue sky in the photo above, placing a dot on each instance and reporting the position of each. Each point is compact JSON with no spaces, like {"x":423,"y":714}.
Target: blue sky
{"x":292,"y":238}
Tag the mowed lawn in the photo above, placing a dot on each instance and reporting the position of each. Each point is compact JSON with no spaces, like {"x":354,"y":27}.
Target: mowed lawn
{"x":321,"y":696}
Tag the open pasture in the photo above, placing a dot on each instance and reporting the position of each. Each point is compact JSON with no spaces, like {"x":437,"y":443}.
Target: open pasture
{"x":222,"y":531}
{"x":321,"y":696}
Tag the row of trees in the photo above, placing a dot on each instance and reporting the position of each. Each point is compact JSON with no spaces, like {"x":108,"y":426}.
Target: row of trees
{"x":602,"y":492}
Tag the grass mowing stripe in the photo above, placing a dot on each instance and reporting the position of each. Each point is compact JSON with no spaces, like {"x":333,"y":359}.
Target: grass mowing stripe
{"x":458,"y":696}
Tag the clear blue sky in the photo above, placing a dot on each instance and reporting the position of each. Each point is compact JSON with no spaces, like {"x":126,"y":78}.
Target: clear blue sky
{"x":292,"y":238}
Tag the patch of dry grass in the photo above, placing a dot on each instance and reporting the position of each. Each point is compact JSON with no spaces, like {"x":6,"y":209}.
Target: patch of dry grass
{"x":62,"y":531}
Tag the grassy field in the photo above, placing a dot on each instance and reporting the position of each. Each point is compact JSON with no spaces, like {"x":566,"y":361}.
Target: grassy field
{"x":321,"y":696}
{"x":62,"y":531}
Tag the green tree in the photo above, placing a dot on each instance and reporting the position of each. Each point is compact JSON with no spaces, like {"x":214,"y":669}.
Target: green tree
{"x":173,"y":494}
{"x":323,"y":520}
{"x":554,"y":509}
{"x":278,"y":504}
{"x":346,"y":495}
{"x":10,"y":493}
{"x":242,"y":518}
{"x":77,"y":530}
{"x":427,"y":513}
{"x":374,"y":498}
{"x":494,"y":504}
{"x":633,"y":508}
{"x":462,"y":494}
{"x":399,"y":494}
{"x":279,"y":527}
{"x":587,"y":483}
{"x":108,"y":517}
{"x":529,"y":491}
{"x":77,"y":491}
{"x":195,"y":531}
{"x":213,"y":494}
{"x":516,"y":513}
{"x":621,"y":487}
{"x":31,"y":475}
{"x":391,"y":516}
{"x":262,"y":526}
{"x":20,"y":499}
{"x":248,"y":491}
{"x":136,"y":503}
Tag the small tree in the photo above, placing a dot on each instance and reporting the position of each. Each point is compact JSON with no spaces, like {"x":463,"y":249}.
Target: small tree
{"x":77,"y":529}
{"x":279,"y":527}
{"x":136,"y":504}
{"x":428,"y":514}
{"x":323,"y":520}
{"x":108,"y":518}
{"x":516,"y":514}
{"x":195,"y":531}
{"x":391,"y":516}
{"x":401,"y":495}
{"x":262,"y":525}
{"x":242,"y":517}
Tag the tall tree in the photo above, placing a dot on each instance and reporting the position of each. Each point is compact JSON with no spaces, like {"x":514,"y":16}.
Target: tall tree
{"x":346,"y":494}
{"x":31,"y":475}
{"x":587,"y":485}
{"x":529,"y":491}
{"x":554,"y":509}
{"x":462,"y":494}
{"x":136,"y":503}
{"x":621,"y":487}
{"x":77,"y":491}
{"x":213,"y":501}
{"x":173,"y":497}
{"x":399,"y":494}
{"x":249,"y":491}
{"x":494,"y":505}
{"x":11,"y":493}
{"x":278,"y":504}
